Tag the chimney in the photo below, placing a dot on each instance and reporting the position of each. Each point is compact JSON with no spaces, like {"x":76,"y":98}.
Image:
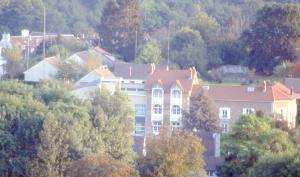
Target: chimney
{"x":25,"y":33}
{"x":265,"y":86}
{"x":191,"y":74}
{"x":6,"y":37}
{"x":130,"y":71}
{"x":291,"y":91}
{"x":152,"y":67}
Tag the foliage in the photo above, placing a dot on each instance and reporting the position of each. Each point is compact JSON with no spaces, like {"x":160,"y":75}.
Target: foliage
{"x":114,"y":110}
{"x":273,"y":37}
{"x":149,"y":53}
{"x":173,"y":154}
{"x":43,"y":129}
{"x":251,"y":137}
{"x":101,"y":166}
{"x":120,"y":26}
{"x":69,"y":70}
{"x":188,"y":49}
{"x":277,"y":165}
{"x":202,"y":114}
{"x":14,"y":65}
{"x":283,"y":70}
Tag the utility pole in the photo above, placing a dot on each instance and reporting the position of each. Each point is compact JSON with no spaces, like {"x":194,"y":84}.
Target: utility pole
{"x":28,"y":51}
{"x":168,"y":62}
{"x":44,"y":43}
{"x":135,"y":48}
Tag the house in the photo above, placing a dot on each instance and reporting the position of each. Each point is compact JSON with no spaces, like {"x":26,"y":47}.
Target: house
{"x":158,"y":96}
{"x":168,"y":93}
{"x":133,"y":78}
{"x":232,"y":101}
{"x":294,"y":84}
{"x":44,"y":70}
{"x":96,"y":56}
{"x":295,"y":70}
{"x":4,"y":43}
{"x":99,"y":78}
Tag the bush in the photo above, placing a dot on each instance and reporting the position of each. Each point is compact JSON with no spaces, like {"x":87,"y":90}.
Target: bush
{"x":283,"y":69}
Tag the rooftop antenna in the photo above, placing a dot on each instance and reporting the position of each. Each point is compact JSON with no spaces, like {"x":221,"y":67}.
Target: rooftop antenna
{"x":168,"y":62}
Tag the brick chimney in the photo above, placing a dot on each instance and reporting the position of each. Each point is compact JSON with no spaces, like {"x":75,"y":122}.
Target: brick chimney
{"x":152,"y":68}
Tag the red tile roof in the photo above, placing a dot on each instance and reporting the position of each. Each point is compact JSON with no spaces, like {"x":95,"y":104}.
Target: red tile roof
{"x":269,"y":93}
{"x":104,"y":72}
{"x":185,"y":79}
{"x":53,"y":60}
{"x":295,"y":70}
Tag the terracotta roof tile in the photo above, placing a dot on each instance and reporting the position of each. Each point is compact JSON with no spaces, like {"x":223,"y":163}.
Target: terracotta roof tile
{"x":295,"y":70}
{"x":269,"y":93}
{"x":168,"y":78}
{"x":55,"y":60}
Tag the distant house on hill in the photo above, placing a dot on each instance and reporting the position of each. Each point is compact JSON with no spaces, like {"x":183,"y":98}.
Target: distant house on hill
{"x":232,"y":101}
{"x":99,"y":78}
{"x":44,"y":70}
{"x":295,"y":70}
{"x":97,"y":55}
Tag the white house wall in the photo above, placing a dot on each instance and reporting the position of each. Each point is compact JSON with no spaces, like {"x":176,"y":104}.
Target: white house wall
{"x":39,"y":72}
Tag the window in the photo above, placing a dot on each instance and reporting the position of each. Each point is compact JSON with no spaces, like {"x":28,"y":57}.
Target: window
{"x":247,"y":111}
{"x":176,"y":94}
{"x":157,"y":93}
{"x":139,"y":128}
{"x":224,"y":113}
{"x":176,"y":110}
{"x":224,"y":127}
{"x":210,"y":173}
{"x":157,"y":109}
{"x":175,"y":125}
{"x":156,"y":126}
{"x":140,"y":110}
{"x":250,"y":89}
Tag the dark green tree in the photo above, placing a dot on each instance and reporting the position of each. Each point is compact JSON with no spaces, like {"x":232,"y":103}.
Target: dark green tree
{"x":273,"y":38}
{"x":120,"y":25}
{"x":277,"y":165}
{"x":251,"y":138}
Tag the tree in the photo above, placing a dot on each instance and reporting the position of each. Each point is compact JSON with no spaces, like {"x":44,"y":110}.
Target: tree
{"x":69,"y":70}
{"x":273,"y":37}
{"x":101,"y":166}
{"x":173,"y":154}
{"x":277,"y":165}
{"x":150,"y":53}
{"x":188,"y":49}
{"x":251,"y":138}
{"x":14,"y":65}
{"x":202,"y":114}
{"x":114,"y":119}
{"x":120,"y":25}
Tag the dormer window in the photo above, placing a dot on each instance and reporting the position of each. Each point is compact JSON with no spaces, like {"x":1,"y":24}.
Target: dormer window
{"x":250,"y":89}
{"x":176,"y":93}
{"x":157,"y":92}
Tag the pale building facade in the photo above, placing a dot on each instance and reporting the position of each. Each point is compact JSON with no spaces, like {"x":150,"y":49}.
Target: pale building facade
{"x":43,"y":71}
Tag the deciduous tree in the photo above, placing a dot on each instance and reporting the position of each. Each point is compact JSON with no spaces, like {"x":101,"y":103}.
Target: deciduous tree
{"x":173,"y":154}
{"x":120,"y":25}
